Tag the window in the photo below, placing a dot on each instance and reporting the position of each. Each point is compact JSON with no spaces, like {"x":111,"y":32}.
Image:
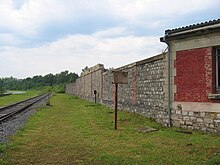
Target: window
{"x":218,"y":69}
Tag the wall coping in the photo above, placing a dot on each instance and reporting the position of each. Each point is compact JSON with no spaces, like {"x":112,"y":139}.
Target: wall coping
{"x":92,"y":69}
{"x":141,"y":62}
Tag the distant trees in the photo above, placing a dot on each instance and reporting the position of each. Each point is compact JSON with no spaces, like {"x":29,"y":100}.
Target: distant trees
{"x":2,"y":89}
{"x":49,"y":82}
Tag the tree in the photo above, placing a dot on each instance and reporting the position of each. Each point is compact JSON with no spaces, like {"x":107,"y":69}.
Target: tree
{"x":53,"y":82}
{"x":2,"y":89}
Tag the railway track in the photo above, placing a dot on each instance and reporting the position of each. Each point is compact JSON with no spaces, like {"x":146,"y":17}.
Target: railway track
{"x":10,"y":110}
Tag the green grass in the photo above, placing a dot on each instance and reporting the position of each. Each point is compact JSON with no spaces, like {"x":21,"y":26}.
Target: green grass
{"x":6,"y":100}
{"x":74,"y":131}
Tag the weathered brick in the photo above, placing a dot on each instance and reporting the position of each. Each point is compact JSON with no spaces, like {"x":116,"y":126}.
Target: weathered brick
{"x":201,"y":87}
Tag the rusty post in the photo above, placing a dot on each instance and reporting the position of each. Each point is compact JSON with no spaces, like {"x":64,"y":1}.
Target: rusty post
{"x":115,"y":105}
{"x":119,"y":77}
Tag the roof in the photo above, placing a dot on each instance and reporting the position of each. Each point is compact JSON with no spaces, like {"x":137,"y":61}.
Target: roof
{"x":193,"y":26}
{"x":192,"y":30}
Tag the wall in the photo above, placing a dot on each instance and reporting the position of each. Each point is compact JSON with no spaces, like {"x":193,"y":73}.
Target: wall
{"x":194,"y":75}
{"x":144,"y":94}
{"x":90,"y":80}
{"x":192,"y":85}
{"x":193,"y":81}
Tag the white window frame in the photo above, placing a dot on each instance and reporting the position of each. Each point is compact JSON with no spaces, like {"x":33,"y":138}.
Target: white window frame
{"x":217,"y":70}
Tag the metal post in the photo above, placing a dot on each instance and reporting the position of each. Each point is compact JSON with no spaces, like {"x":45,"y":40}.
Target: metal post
{"x":115,"y":105}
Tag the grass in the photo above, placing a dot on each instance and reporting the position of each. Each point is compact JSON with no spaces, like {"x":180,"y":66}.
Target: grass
{"x":74,"y":131}
{"x":6,"y":100}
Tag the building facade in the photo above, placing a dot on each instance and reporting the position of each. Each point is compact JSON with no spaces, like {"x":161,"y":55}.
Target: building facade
{"x":194,"y":75}
{"x":178,"y":88}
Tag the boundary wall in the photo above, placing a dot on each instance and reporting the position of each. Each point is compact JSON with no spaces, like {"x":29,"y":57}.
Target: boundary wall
{"x":144,"y":94}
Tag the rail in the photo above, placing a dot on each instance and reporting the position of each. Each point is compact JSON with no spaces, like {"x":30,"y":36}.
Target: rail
{"x":10,"y":110}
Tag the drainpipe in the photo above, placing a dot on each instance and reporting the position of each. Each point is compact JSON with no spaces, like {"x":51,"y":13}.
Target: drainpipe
{"x":169,"y":124}
{"x":169,"y":88}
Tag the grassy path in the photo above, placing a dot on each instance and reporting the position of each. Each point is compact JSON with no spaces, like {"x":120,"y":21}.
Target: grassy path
{"x":74,"y":131}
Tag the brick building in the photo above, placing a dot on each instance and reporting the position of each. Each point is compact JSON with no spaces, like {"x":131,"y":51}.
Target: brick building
{"x":178,"y":88}
{"x":194,"y":75}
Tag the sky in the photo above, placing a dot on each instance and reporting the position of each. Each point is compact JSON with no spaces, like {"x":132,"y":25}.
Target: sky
{"x":38,"y":37}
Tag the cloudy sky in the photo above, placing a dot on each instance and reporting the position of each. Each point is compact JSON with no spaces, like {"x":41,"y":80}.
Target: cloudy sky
{"x":38,"y":37}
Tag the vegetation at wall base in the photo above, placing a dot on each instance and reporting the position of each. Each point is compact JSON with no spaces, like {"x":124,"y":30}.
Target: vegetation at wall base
{"x":74,"y":131}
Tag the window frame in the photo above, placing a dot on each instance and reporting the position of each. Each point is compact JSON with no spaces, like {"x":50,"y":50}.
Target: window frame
{"x":217,"y":57}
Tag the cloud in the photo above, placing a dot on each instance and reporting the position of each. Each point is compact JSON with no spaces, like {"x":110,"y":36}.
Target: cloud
{"x":38,"y":36}
{"x":10,"y":39}
{"x":74,"y":52}
{"x":31,"y":17}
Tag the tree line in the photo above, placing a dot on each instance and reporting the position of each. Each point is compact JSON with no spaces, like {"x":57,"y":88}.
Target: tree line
{"x":49,"y":82}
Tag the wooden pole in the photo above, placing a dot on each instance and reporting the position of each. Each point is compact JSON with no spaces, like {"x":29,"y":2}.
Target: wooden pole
{"x":115,"y":105}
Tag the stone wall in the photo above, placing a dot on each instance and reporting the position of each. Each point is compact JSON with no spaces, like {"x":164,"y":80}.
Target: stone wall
{"x":144,"y":94}
{"x":204,"y":121}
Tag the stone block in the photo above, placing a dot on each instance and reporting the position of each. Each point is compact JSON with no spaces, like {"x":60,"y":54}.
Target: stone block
{"x":203,"y":114}
{"x":175,"y":117}
{"x":184,"y":126}
{"x":189,"y":123}
{"x":191,"y":113}
{"x":186,"y":118}
{"x":207,"y":124}
{"x":193,"y":118}
{"x":179,"y":112}
{"x":182,"y":122}
{"x":207,"y":120}
{"x":185,"y":113}
{"x":217,"y":123}
{"x":213,"y":115}
{"x":200,"y":120}
{"x":176,"y":123}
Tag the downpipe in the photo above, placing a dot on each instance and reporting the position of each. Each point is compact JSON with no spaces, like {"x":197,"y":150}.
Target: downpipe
{"x":169,"y":124}
{"x":169,"y":88}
